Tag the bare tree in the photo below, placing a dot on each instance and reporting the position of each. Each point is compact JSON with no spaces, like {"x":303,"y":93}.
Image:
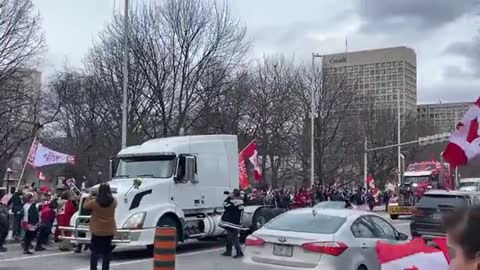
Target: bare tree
{"x":381,"y":130}
{"x":184,"y":60}
{"x":21,"y":39}
{"x":271,"y":114}
{"x":186,"y":52}
{"x":21,"y":42}
{"x":336,"y":125}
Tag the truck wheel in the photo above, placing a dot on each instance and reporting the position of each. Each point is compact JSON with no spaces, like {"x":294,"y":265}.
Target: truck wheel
{"x":166,"y":222}
{"x":394,"y":217}
{"x":261,"y":217}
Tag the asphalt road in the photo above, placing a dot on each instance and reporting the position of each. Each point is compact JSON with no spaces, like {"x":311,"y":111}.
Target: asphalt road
{"x":193,"y":255}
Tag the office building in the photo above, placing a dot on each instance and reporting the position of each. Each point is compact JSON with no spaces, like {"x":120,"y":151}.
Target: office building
{"x":379,"y":76}
{"x":443,"y":116}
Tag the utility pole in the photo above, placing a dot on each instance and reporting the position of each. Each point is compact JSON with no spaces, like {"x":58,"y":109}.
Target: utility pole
{"x":399,"y":153}
{"x":365,"y":164}
{"x":312,"y":123}
{"x":125,"y":78}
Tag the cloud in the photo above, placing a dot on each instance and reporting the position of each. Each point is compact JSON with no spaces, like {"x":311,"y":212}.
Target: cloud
{"x":412,"y":15}
{"x":454,"y":90}
{"x":470,"y":51}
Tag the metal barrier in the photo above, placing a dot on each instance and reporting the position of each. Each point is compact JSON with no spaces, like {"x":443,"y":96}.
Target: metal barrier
{"x":165,"y":248}
{"x":80,"y":232}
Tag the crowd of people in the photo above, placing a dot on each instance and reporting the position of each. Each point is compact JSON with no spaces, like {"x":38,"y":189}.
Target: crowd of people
{"x":306,"y":197}
{"x":34,"y":215}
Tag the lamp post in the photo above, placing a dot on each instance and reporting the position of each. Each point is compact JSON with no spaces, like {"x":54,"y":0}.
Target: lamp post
{"x":399,"y":153}
{"x":312,"y":123}
{"x":9,"y":171}
{"x":125,"y":78}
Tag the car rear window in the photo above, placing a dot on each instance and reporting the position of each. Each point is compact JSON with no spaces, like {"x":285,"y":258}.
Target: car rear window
{"x":306,"y":222}
{"x":436,"y":201}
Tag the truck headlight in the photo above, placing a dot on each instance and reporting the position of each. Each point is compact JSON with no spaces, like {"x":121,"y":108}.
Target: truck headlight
{"x":135,"y":221}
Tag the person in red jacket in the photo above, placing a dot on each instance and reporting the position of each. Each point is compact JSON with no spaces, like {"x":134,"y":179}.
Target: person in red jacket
{"x":65,"y":214}
{"x":301,"y":198}
{"x":47,"y":216}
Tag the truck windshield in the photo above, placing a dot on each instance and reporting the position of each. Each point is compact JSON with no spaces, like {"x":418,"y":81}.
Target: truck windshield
{"x":151,"y":166}
{"x":416,"y":179}
{"x":469,"y":185}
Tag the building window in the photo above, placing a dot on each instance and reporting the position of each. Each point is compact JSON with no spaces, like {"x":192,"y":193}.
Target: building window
{"x":383,"y":71}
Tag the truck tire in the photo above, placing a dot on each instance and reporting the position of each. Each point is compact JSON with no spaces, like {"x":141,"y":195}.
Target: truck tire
{"x":261,"y":217}
{"x":166,"y":221}
{"x":276,"y":212}
{"x":394,"y":217}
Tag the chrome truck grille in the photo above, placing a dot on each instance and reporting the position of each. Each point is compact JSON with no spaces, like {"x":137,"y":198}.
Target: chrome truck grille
{"x":79,"y":233}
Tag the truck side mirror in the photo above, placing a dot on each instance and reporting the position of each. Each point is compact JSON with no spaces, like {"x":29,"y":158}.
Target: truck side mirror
{"x":190,"y":169}
{"x":112,"y":167}
{"x":180,"y":170}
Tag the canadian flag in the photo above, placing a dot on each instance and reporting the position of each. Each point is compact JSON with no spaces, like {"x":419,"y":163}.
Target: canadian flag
{"x":413,"y":255}
{"x":41,"y":176}
{"x":40,"y":156}
{"x":251,"y":153}
{"x":370,"y":182}
{"x":464,"y":142}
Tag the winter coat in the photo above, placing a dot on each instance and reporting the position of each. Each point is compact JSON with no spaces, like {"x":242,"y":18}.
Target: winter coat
{"x":31,"y":217}
{"x":4,"y":226}
{"x":16,"y":203}
{"x":231,"y":218}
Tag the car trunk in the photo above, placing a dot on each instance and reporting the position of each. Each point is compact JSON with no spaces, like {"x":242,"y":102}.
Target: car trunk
{"x":285,"y":248}
{"x":430,"y":210}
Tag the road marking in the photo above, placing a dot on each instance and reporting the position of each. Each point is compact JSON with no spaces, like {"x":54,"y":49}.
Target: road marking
{"x":150,"y":259}
{"x":34,"y":257}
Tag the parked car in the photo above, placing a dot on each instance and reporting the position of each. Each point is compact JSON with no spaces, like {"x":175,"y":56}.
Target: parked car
{"x":319,"y":238}
{"x":333,"y":205}
{"x":427,"y":215}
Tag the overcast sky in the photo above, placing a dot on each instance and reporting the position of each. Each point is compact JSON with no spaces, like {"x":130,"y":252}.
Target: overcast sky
{"x":442,"y":33}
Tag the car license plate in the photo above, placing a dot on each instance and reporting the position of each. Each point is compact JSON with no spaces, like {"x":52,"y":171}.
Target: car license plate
{"x":398,"y":210}
{"x":437,"y":216}
{"x":282,"y":250}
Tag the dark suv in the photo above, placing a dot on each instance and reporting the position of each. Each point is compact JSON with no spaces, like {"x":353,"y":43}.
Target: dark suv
{"x":427,"y":216}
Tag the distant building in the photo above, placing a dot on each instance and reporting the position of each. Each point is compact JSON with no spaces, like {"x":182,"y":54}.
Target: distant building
{"x":380,"y":76}
{"x":443,"y":116}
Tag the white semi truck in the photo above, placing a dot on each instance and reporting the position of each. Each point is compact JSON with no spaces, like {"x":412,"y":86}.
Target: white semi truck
{"x":175,"y":181}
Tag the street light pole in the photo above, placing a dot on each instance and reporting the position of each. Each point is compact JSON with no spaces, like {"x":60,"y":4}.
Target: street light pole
{"x":365,"y":164}
{"x":312,"y":123}
{"x":399,"y":139}
{"x":125,"y":78}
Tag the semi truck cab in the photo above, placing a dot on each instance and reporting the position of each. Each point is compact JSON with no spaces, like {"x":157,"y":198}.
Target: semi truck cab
{"x":175,"y":181}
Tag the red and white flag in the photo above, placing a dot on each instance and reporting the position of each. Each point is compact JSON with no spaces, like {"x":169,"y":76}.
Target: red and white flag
{"x":40,"y":156}
{"x":41,"y":176}
{"x":370,"y":182}
{"x":414,"y":255}
{"x":464,"y":142}
{"x":251,"y":153}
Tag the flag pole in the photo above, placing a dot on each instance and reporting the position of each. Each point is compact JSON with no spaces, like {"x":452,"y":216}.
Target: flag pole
{"x":26,"y":162}
{"x":247,"y":146}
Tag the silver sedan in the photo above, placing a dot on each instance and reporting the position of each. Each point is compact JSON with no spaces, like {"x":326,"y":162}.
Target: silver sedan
{"x":315,"y":238}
